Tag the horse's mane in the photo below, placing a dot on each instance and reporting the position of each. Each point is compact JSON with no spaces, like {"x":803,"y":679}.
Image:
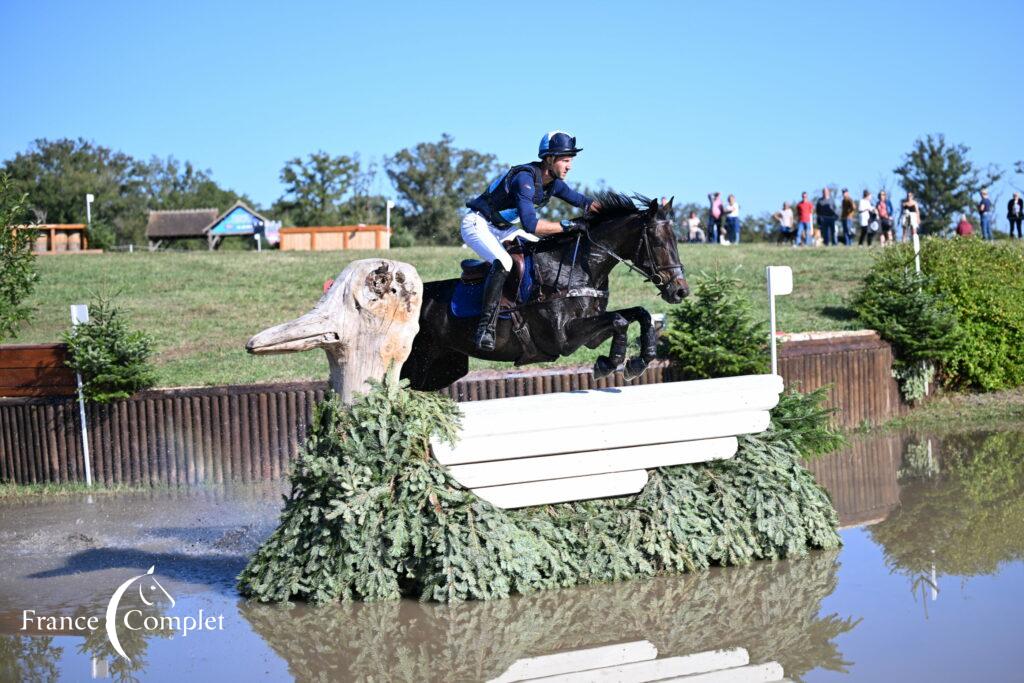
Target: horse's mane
{"x":617,"y":204}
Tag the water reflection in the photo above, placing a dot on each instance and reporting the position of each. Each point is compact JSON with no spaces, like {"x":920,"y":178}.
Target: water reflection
{"x":770,"y":609}
{"x":938,"y":506}
{"x":961,"y":509}
{"x":928,"y":508}
{"x":38,"y":657}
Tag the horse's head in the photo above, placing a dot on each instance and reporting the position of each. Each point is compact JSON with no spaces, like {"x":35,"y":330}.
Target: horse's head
{"x":638,"y":230}
{"x":657,"y":253}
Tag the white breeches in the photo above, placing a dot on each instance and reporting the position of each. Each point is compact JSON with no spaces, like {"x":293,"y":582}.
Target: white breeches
{"x":486,"y":239}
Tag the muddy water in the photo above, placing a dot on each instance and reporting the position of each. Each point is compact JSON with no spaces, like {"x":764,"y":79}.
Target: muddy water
{"x":928,"y":586}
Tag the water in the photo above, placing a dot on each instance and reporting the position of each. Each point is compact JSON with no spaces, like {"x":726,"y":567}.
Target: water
{"x":928,"y":586}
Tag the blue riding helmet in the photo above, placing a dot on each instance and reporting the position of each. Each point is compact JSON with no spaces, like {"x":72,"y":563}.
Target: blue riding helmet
{"x":558,"y":143}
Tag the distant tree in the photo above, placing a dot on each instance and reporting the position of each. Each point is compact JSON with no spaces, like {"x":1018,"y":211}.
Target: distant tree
{"x":556,"y":209}
{"x":758,"y":228}
{"x":57,"y":174}
{"x":433,"y":181}
{"x":315,"y":187}
{"x":17,"y":264}
{"x":171,"y":184}
{"x":363,"y":206}
{"x":943,"y":181}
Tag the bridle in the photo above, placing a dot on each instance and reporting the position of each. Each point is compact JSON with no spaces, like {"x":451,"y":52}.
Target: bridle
{"x":655,"y":276}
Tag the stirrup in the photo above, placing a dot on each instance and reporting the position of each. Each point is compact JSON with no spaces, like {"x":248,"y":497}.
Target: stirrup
{"x":485,"y":339}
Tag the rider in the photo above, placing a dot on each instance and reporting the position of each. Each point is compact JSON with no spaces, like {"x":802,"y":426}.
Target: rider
{"x":512,"y":198}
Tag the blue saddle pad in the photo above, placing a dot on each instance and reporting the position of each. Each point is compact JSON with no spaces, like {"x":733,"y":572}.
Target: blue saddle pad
{"x":467,"y":300}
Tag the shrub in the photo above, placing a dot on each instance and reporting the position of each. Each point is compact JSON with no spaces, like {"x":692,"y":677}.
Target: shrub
{"x":113,"y":361}
{"x":806,"y":423}
{"x":902,"y":307}
{"x":715,"y":334}
{"x":18,"y":274}
{"x":981,"y":283}
{"x":102,"y":235}
{"x":372,"y":516}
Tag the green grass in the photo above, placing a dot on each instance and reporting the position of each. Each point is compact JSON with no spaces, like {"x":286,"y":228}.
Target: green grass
{"x":9,"y":491}
{"x":202,"y":307}
{"x":966,"y":412}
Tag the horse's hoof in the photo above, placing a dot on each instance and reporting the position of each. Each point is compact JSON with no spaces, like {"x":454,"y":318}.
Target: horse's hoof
{"x":603,"y":367}
{"x":634,"y":368}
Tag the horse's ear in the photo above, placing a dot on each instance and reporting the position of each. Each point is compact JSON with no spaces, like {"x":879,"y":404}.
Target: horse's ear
{"x":653,"y":206}
{"x":668,"y":207}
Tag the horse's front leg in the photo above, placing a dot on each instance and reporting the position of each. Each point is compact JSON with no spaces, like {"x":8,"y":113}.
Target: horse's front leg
{"x":648,"y":341}
{"x":592,"y":332}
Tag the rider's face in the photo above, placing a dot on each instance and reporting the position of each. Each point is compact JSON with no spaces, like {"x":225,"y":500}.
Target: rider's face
{"x":560,"y":167}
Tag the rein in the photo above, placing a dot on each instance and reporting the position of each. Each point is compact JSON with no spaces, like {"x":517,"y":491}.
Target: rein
{"x":653,"y":277}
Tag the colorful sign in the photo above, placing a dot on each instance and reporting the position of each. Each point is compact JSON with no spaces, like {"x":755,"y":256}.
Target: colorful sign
{"x":239,"y":222}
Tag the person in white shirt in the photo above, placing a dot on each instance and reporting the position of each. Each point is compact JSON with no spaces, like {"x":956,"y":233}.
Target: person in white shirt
{"x":732,"y":219}
{"x":785,"y":219}
{"x":864,"y":210}
{"x":693,"y":224}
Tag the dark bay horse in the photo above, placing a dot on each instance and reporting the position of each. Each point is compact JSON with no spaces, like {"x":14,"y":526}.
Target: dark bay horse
{"x":570,"y":309}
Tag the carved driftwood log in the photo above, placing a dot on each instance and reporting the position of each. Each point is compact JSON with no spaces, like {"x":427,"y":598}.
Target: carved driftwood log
{"x":365,"y":323}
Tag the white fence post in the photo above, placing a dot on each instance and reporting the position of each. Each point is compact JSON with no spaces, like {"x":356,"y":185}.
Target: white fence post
{"x":780,"y":283}
{"x":80,"y":314}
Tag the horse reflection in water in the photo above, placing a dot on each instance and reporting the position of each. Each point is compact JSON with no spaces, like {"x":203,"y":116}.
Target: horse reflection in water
{"x":568,"y":310}
{"x":770,"y":611}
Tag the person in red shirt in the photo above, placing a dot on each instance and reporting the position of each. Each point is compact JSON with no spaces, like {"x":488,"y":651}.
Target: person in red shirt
{"x":804,"y":212}
{"x":964,"y":227}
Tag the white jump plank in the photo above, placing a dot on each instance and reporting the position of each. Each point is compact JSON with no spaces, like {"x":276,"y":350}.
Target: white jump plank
{"x":639,"y":392}
{"x":600,"y":437}
{"x":757,"y":673}
{"x":593,"y":408}
{"x":562,"y":490}
{"x":592,"y":462}
{"x":656,"y":669}
{"x":576,"y":660}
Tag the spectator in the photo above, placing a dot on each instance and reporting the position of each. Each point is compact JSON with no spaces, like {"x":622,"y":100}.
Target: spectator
{"x":964,"y":228}
{"x":826,"y":210}
{"x":910,"y":216}
{"x":785,"y":219}
{"x":849,"y":210}
{"x":696,"y":234}
{"x":715,"y":217}
{"x":732,"y":210}
{"x":985,"y":211}
{"x":804,"y":211}
{"x":866,"y":215}
{"x":885,"y":223}
{"x":1014,"y":214}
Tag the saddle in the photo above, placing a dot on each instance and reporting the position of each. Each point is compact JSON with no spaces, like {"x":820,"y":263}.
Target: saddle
{"x":474,"y":272}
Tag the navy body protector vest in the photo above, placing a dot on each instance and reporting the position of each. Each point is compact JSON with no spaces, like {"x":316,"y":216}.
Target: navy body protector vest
{"x":498,"y":202}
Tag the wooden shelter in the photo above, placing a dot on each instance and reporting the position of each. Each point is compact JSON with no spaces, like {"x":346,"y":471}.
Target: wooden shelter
{"x":238,"y":221}
{"x":59,"y":238}
{"x":164,"y":226}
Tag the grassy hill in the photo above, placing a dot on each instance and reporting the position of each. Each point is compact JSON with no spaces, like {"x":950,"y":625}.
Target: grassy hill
{"x":202,"y":307}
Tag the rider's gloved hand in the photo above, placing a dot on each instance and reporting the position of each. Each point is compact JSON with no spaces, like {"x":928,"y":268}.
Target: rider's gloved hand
{"x":570,"y":224}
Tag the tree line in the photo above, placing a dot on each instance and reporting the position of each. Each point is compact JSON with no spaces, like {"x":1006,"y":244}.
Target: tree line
{"x":431,"y":182}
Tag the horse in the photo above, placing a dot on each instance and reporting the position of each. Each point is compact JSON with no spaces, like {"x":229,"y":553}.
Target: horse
{"x":570,"y":295}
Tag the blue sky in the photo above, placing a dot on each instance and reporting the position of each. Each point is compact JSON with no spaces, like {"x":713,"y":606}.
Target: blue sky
{"x":762,"y":99}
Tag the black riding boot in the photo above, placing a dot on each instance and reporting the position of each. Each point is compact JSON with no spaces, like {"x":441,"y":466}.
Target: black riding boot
{"x":489,"y":311}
